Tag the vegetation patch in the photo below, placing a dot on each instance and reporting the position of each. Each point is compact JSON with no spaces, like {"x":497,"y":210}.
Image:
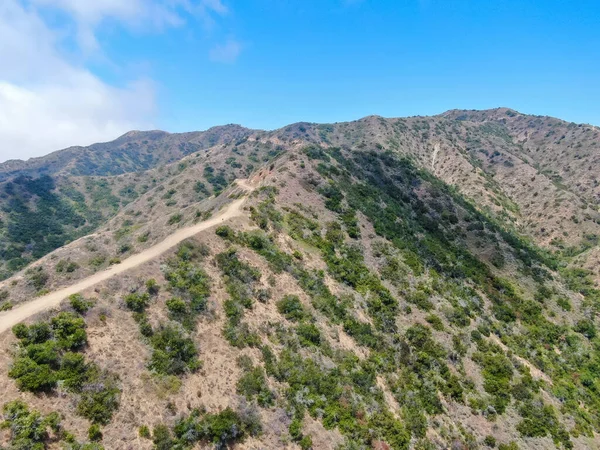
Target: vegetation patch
{"x":49,"y":354}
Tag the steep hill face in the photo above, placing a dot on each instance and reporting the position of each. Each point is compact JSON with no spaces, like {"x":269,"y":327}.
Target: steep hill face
{"x":386,"y":286}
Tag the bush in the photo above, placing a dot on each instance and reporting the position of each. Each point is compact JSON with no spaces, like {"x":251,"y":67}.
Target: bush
{"x":69,"y":331}
{"x":31,"y":376}
{"x":177,"y":308}
{"x":189,"y":281}
{"x":175,"y":218}
{"x":240,"y":279}
{"x":74,"y":371}
{"x":435,"y":322}
{"x":225,"y":232}
{"x":64,"y":266}
{"x":173,"y":353}
{"x":308,"y":334}
{"x":37,"y":278}
{"x":94,"y":433}
{"x":161,"y":437}
{"x":564,"y":303}
{"x":99,"y":400}
{"x":137,"y":302}
{"x":306,"y":443}
{"x":222,"y":429}
{"x":490,"y":441}
{"x":144,"y":432}
{"x":540,"y":420}
{"x":291,"y":308}
{"x":33,"y":334}
{"x":586,"y":327}
{"x":46,"y":358}
{"x":6,"y":306}
{"x":152,"y":286}
{"x":253,"y":384}
{"x":28,"y":429}
{"x":497,"y":373}
{"x":79,"y":303}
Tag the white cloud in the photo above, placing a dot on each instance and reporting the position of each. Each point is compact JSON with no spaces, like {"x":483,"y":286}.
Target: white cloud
{"x":51,"y":100}
{"x":227,"y":52}
{"x":157,"y":14}
{"x":37,"y":120}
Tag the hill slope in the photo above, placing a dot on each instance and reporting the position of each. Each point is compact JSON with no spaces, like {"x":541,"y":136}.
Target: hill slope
{"x":387,"y":286}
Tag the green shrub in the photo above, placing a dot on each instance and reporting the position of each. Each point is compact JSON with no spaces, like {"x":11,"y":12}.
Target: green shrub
{"x":37,"y":278}
{"x":46,"y":358}
{"x":306,"y":443}
{"x":144,"y":325}
{"x":435,"y":322}
{"x":6,"y":306}
{"x":540,"y":420}
{"x":144,"y":432}
{"x":497,"y":373}
{"x":489,"y":441}
{"x":291,"y":308}
{"x":74,"y":371}
{"x":309,"y":334}
{"x":29,"y":429}
{"x":99,"y":399}
{"x":31,"y":376}
{"x":46,"y":353}
{"x":97,"y":261}
{"x":177,"y":308}
{"x":65,"y":266}
{"x":69,"y":331}
{"x":253,"y":385}
{"x":240,"y":280}
{"x":188,"y":281}
{"x":225,"y":232}
{"x":79,"y":303}
{"x":94,"y":433}
{"x":173,"y":353}
{"x":564,"y":303}
{"x":152,"y":287}
{"x":586,"y":327}
{"x":137,"y":302}
{"x":124,"y":248}
{"x":222,"y":429}
{"x":143,"y":237}
{"x":34,"y":334}
{"x":161,"y":437}
{"x":175,"y":218}
{"x":510,"y":446}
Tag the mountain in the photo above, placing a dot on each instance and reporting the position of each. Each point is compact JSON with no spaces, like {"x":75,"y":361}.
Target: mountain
{"x":134,"y":151}
{"x":425,"y":282}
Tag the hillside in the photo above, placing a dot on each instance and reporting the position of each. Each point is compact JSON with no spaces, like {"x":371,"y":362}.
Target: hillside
{"x":390,"y":283}
{"x":535,"y":174}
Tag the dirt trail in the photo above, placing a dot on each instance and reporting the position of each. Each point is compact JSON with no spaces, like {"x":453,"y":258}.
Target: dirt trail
{"x":21,"y":312}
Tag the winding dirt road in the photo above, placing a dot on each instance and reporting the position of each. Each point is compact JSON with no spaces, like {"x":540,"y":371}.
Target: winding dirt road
{"x":21,"y":312}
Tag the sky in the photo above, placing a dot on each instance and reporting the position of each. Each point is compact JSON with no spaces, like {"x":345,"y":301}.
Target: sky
{"x":75,"y":72}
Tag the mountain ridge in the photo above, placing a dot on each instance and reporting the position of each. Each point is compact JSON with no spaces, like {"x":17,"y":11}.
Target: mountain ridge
{"x":388,"y":285}
{"x":481,"y":157}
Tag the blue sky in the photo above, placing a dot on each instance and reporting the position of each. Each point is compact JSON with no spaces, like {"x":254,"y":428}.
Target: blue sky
{"x":185,"y":65}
